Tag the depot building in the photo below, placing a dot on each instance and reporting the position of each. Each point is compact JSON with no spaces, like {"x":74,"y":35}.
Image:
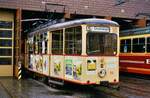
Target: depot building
{"x":18,"y":17}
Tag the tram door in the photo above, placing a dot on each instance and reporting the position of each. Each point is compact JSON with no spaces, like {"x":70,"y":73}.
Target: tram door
{"x":6,"y":43}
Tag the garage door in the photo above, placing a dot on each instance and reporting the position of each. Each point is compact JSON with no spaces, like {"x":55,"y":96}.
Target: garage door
{"x":6,"y":43}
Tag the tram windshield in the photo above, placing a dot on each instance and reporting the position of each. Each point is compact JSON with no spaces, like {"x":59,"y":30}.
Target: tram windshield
{"x":101,"y":44}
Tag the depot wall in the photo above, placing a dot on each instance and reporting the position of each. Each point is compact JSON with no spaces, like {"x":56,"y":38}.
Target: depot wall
{"x":87,"y":7}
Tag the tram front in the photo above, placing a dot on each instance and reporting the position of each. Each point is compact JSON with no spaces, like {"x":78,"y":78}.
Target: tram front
{"x":102,"y":55}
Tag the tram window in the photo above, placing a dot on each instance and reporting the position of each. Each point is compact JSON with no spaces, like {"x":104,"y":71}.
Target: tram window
{"x":44,"y":43}
{"x":36,"y":43}
{"x":57,"y":42}
{"x":5,"y":43}
{"x":45,"y":47}
{"x":110,"y":44}
{"x":138,"y":45}
{"x":38,"y":37}
{"x":40,"y":46}
{"x":148,"y":44}
{"x":39,"y":41}
{"x":6,"y":24}
{"x":73,"y":40}
{"x":125,"y":46}
{"x":5,"y":61}
{"x":6,"y":33}
{"x":36,"y":47}
{"x":101,"y":44}
{"x":31,"y":47}
{"x":5,"y":52}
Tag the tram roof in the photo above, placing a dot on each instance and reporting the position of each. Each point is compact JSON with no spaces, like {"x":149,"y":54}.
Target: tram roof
{"x":137,"y":31}
{"x":95,"y":21}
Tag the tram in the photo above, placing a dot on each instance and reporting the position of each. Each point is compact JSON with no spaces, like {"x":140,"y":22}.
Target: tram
{"x":135,"y":51}
{"x":84,"y":51}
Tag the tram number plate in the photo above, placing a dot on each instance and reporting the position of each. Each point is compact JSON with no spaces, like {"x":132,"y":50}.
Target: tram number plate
{"x":147,"y":61}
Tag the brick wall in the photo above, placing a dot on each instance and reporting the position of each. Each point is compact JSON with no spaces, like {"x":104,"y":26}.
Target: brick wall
{"x":88,"y":7}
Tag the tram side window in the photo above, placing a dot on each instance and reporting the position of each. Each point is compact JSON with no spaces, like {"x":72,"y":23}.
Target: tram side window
{"x":36,"y":44}
{"x":138,"y":45}
{"x":125,"y":46}
{"x":30,"y":45}
{"x":44,"y":43}
{"x":40,"y":43}
{"x":73,"y":40}
{"x":57,"y":42}
{"x":148,"y":44}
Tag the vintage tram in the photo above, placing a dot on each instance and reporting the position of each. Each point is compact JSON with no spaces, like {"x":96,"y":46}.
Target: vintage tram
{"x":135,"y":51}
{"x":84,"y":51}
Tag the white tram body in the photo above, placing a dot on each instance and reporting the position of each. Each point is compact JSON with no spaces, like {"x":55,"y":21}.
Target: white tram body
{"x":81,"y":51}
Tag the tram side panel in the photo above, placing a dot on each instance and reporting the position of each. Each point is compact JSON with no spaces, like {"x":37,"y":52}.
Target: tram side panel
{"x":57,"y":66}
{"x":85,"y":70}
{"x":102,"y":70}
{"x":35,"y":61}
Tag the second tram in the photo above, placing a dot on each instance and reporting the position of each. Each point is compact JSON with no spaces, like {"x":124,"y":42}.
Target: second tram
{"x":84,"y":51}
{"x":135,"y":51}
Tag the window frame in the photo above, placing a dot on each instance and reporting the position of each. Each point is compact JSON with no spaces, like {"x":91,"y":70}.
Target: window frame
{"x":105,"y":53}
{"x":125,"y":44}
{"x":59,"y":50}
{"x":75,"y":41}
{"x":138,"y":44}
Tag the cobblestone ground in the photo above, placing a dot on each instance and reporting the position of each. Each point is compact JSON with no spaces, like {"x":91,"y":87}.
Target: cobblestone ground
{"x":29,"y":88}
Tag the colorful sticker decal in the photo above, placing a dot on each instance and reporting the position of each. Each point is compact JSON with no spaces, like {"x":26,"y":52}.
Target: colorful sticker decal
{"x":31,"y":60}
{"x":57,"y":68}
{"x":34,"y":62}
{"x":45,"y":64}
{"x":69,"y":68}
{"x":112,"y":62}
{"x":77,"y":69}
{"x":39,"y":62}
{"x":91,"y":65}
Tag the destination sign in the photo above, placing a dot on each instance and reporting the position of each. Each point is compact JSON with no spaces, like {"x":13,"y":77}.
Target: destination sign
{"x":98,"y":29}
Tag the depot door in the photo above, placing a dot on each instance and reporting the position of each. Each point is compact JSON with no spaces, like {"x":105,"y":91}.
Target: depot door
{"x":6,"y":43}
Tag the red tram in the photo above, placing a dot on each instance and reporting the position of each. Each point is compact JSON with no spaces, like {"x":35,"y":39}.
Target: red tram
{"x":135,"y":51}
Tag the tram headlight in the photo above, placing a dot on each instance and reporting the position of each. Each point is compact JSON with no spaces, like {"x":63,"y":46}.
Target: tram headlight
{"x":102,"y":73}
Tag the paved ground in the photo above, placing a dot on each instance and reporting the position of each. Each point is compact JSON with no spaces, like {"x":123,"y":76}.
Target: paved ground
{"x":28,"y":88}
{"x":3,"y":92}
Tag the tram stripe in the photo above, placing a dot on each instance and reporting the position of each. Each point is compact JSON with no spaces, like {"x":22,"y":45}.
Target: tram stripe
{"x":130,"y":61}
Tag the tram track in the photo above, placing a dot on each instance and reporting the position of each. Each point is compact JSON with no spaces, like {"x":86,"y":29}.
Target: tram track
{"x":112,"y":93}
{"x":135,"y":81}
{"x":135,"y":86}
{"x":135,"y":89}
